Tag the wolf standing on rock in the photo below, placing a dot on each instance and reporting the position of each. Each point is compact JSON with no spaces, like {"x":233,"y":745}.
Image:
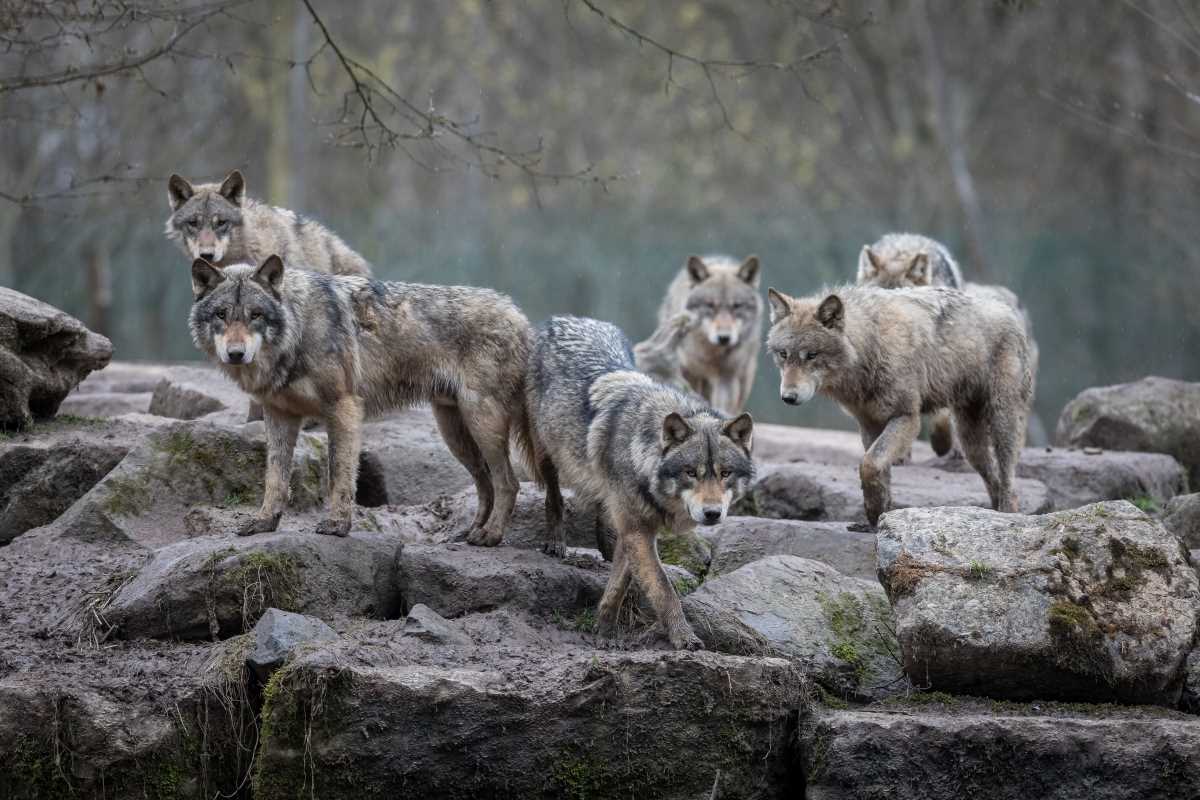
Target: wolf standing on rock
{"x":719,"y":356}
{"x":217,"y":222}
{"x":887,"y":356}
{"x":306,"y":344}
{"x":653,"y":456}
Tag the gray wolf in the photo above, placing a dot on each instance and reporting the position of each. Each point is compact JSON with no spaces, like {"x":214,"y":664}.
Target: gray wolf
{"x":338,"y":347}
{"x":718,"y":359}
{"x":889,"y":355}
{"x":217,"y":222}
{"x":652,"y":456}
{"x":658,"y":354}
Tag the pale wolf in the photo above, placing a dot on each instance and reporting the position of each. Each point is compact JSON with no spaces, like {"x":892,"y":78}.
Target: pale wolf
{"x":887,"y":356}
{"x":652,"y":456}
{"x":720,"y":355}
{"x":308,"y":344}
{"x":217,"y":222}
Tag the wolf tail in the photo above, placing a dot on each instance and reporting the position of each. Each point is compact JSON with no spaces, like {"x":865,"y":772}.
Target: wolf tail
{"x":530,"y":450}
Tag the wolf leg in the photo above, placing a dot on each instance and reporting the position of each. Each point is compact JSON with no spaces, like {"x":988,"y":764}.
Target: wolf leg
{"x":459,"y":442}
{"x":344,"y":424}
{"x":1008,"y":435}
{"x":977,"y":447}
{"x":490,"y":424}
{"x":724,"y":395}
{"x":652,"y":580}
{"x":876,"y":468}
{"x":614,"y":592}
{"x":941,"y":434}
{"x":556,"y":540}
{"x":282,"y":430}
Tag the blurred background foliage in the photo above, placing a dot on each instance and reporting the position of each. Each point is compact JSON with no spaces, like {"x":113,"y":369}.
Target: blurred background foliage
{"x":1055,"y":147}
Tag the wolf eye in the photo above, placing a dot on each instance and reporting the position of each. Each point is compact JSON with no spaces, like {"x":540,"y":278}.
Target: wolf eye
{"x":256,"y":314}
{"x":221,"y":224}
{"x":724,"y":473}
{"x":691,"y":473}
{"x":220,"y":313}
{"x":193,"y":223}
{"x":782,"y":353}
{"x":809,"y":356}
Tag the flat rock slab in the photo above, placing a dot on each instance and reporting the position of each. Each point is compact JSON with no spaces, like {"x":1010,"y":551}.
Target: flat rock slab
{"x":459,"y":579}
{"x":837,"y":627}
{"x":739,"y":540}
{"x":44,"y":354}
{"x":816,"y":492}
{"x":790,"y":443}
{"x":1182,"y":518}
{"x":859,"y":754}
{"x":125,"y":377}
{"x":567,"y":724}
{"x":1156,"y":415}
{"x":1094,"y":604}
{"x":1079,"y":476}
{"x":192,"y":392}
{"x":105,"y":404}
{"x":215,"y":587}
{"x":406,"y":451}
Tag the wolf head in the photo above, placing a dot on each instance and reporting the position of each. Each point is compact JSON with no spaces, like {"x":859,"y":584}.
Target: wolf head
{"x":893,"y":269}
{"x":238,"y":310}
{"x":706,"y":463}
{"x":724,"y":299}
{"x":206,"y":219}
{"x":808,"y":342}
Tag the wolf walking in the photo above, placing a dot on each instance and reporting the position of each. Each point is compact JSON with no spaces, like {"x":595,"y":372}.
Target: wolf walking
{"x":308,"y":344}
{"x":887,"y":356}
{"x":217,"y":222}
{"x":718,"y":358}
{"x":652,"y":456}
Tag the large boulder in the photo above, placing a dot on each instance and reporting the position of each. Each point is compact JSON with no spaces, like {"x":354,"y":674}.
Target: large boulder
{"x":739,"y":540}
{"x":44,"y":354}
{"x":817,"y":492}
{"x":192,"y":392}
{"x":405,"y":450}
{"x":1157,"y":415}
{"x":1094,"y":604}
{"x":999,"y":756}
{"x":1182,"y":518}
{"x":1076,"y":477}
{"x":215,"y":587}
{"x":574,"y":723}
{"x":839,"y":628}
{"x":278,"y":635}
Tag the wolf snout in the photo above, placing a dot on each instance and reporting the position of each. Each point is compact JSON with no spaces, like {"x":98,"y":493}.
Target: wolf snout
{"x":236,"y":354}
{"x":724,"y":338}
{"x":713,"y":515}
{"x":208,"y":256}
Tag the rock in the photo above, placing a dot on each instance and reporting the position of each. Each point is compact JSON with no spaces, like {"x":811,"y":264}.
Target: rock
{"x":124,"y":377}
{"x":1076,"y":478}
{"x":1094,"y":604}
{"x":215,"y":587}
{"x":791,"y":443}
{"x":192,"y":392}
{"x":458,"y":579}
{"x":1182,"y":518}
{"x":105,"y":404}
{"x":424,"y":623}
{"x":44,"y":354}
{"x":814,"y":492}
{"x":579,"y":723}
{"x":1190,"y":701}
{"x":740,"y":540}
{"x":406,"y":450}
{"x":861,"y":754}
{"x":278,"y":634}
{"x":837,"y":627}
{"x":1157,"y":415}
{"x":451,"y":517}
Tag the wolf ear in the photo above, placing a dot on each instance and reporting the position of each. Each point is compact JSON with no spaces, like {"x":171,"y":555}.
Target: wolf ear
{"x":781,"y":305}
{"x":270,"y":274}
{"x":179,"y":191}
{"x":748,"y":271}
{"x":675,"y":430}
{"x":831,"y":313}
{"x":869,"y":264}
{"x":918,"y":269}
{"x":233,"y":188}
{"x":205,"y":278}
{"x":741,"y":430}
{"x":697,"y":269}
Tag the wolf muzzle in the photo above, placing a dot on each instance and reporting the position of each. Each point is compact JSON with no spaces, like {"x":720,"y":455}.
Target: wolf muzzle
{"x":798,"y":394}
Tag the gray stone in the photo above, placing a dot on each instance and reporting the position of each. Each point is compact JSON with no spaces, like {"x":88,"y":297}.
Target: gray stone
{"x":1190,"y":701}
{"x":850,"y":755}
{"x":837,"y":627}
{"x":44,"y":354}
{"x":1182,"y":518}
{"x":278,"y":634}
{"x":38,"y":483}
{"x":214,"y":587}
{"x":424,"y":623}
{"x":123,"y":377}
{"x":739,"y":540}
{"x":105,"y":404}
{"x":1156,"y":415}
{"x":1094,"y":604}
{"x":192,"y":392}
{"x":790,"y":443}
{"x":814,"y":492}
{"x":406,"y":451}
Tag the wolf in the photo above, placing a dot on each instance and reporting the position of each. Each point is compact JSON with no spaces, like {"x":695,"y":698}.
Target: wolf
{"x":217,"y":222}
{"x":652,"y":456}
{"x":658,"y":354}
{"x":719,"y":358}
{"x":889,"y":355}
{"x":338,"y":347}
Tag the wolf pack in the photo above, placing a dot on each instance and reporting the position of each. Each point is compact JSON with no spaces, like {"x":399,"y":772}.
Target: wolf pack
{"x":653,"y":434}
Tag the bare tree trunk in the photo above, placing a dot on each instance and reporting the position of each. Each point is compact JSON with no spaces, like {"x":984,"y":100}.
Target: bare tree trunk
{"x":279,"y":138}
{"x":99,"y":288}
{"x":298,"y":116}
{"x":950,"y":134}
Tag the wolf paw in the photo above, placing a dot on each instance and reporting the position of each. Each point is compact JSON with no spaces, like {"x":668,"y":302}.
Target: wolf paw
{"x":557,"y":549}
{"x":332,"y":526}
{"x":685,"y":639}
{"x":259,"y":525}
{"x":482,"y":537}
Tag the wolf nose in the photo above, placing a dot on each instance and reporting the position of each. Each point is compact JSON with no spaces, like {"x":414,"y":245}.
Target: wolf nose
{"x":791,"y":398}
{"x":207,"y":256}
{"x":236,"y":356}
{"x":712,"y":516}
{"x":724,"y":338}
